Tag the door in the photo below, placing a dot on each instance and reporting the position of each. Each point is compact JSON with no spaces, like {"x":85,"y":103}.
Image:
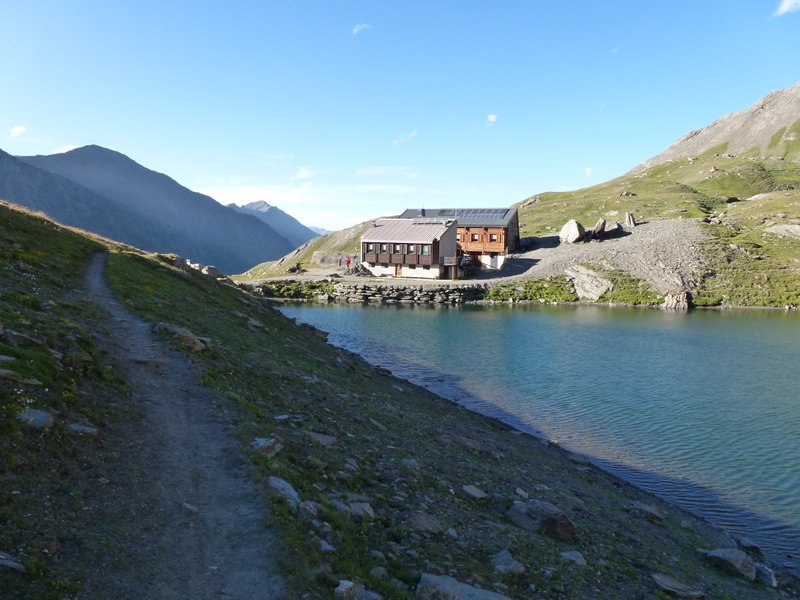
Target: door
{"x":398,"y":270}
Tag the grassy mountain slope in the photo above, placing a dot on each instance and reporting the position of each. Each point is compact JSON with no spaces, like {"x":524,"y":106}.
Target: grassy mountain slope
{"x":321,"y":250}
{"x":157,"y":213}
{"x":392,"y":446}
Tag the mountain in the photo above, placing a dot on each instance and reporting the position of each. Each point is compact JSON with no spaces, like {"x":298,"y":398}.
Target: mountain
{"x":141,"y":207}
{"x":770,"y":128}
{"x":289,"y":227}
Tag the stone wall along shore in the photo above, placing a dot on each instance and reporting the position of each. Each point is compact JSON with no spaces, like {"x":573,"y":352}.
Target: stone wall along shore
{"x":365,"y":293}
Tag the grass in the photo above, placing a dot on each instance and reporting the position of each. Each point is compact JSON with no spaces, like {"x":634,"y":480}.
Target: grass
{"x":42,"y":480}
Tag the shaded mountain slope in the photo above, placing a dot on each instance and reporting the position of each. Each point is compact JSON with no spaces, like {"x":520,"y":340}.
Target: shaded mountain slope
{"x":289,"y":227}
{"x":170,"y":217}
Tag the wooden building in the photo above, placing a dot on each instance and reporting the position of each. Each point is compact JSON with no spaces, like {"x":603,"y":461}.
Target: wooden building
{"x":422,"y":247}
{"x":485,"y":235}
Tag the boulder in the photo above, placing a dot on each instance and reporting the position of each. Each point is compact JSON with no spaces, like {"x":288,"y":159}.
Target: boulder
{"x":8,"y":562}
{"x":544,"y":517}
{"x":475,"y":492}
{"x":361,"y":510}
{"x":504,"y":563}
{"x":734,"y":561}
{"x":646,"y":512}
{"x":589,"y":285}
{"x":765,"y":575}
{"x":283,"y":489}
{"x":345,"y":590}
{"x":676,"y":588}
{"x":37,"y":419}
{"x":599,"y":230}
{"x":212,"y":271}
{"x":612,"y":229}
{"x":630,"y":221}
{"x":268,"y":447}
{"x":574,"y":556}
{"x":82,"y":429}
{"x":442,"y":587}
{"x":572,"y":232}
{"x":423,"y":523}
{"x":677,"y":301}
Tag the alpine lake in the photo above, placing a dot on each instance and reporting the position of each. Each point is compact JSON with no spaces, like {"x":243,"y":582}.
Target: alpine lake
{"x":701,"y":408}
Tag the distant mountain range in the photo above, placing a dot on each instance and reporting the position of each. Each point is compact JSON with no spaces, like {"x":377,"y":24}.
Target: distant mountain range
{"x":106,"y":192}
{"x":290,"y":228}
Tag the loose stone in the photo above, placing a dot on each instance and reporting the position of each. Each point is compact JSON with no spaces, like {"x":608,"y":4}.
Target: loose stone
{"x":733,"y":561}
{"x":504,"y":563}
{"x":38,"y":419}
{"x":574,"y":556}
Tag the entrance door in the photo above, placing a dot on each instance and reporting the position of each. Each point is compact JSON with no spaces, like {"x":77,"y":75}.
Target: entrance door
{"x":398,"y":270}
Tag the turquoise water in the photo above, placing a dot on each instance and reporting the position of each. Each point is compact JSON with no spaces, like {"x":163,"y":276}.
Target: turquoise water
{"x":701,"y":408}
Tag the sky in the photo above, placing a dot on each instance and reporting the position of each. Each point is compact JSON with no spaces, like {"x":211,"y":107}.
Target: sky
{"x":342,"y":111}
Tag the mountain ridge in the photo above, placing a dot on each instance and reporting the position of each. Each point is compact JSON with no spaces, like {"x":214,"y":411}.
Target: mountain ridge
{"x":151,"y":210}
{"x":769,"y":128}
{"x":290,"y":228}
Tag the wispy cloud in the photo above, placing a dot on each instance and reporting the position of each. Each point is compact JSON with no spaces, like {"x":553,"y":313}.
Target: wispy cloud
{"x":17,"y":131}
{"x":383,"y":189}
{"x":405,"y":172}
{"x":786,"y":6}
{"x":304,"y":173}
{"x":588,"y":171}
{"x":360,"y":27}
{"x":491,"y":119}
{"x":401,"y":139}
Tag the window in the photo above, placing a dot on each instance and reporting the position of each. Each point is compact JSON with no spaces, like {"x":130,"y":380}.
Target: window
{"x":458,"y":237}
{"x":370,"y":247}
{"x":411,"y":249}
{"x":475,"y":237}
{"x":492,"y":237}
{"x":398,"y":248}
{"x":384,"y":247}
{"x":426,"y":249}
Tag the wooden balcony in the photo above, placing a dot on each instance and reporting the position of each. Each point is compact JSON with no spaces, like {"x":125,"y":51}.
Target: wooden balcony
{"x":371,"y":257}
{"x":411,"y":259}
{"x":383,"y":258}
{"x":426,"y":260}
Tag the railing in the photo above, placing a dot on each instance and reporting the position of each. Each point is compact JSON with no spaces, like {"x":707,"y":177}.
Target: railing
{"x":449,"y":261}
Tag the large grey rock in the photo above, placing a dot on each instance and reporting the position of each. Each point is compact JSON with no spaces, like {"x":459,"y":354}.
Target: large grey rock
{"x":677,"y":301}
{"x":589,"y":285}
{"x":38,"y":419}
{"x":630,"y":221}
{"x":321,"y":438}
{"x":542,"y":516}
{"x":785,"y":230}
{"x":283,"y":489}
{"x":599,"y":229}
{"x":424,"y":523}
{"x":361,"y":510}
{"x":504,"y":563}
{"x":733,"y":561}
{"x":574,"y":556}
{"x":765,"y":575}
{"x":572,"y":232}
{"x":442,"y":587}
{"x":475,"y":492}
{"x":8,"y":562}
{"x":266,"y":446}
{"x":676,"y":588}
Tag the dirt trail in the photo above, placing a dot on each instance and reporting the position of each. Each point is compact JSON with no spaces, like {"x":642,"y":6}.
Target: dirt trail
{"x":186,"y":520}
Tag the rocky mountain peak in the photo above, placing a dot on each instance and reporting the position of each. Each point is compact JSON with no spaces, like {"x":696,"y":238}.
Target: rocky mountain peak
{"x":770,"y":128}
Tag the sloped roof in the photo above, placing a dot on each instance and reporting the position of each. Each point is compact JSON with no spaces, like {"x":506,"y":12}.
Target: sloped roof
{"x":466,"y":217}
{"x":406,"y":231}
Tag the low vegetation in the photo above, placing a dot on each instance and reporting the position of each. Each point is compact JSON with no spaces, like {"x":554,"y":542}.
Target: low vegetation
{"x":548,"y":290}
{"x":368,"y":454}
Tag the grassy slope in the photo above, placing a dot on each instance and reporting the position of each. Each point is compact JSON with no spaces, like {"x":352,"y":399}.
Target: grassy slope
{"x":344,"y":242}
{"x":45,"y":477}
{"x":748,"y":266}
{"x":271,"y":367}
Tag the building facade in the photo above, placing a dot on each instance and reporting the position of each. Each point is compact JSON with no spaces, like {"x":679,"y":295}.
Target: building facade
{"x":422,"y":248}
{"x":484,"y":235}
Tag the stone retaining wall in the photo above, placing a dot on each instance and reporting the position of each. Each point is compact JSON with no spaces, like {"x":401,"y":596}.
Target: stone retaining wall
{"x":409,"y":294}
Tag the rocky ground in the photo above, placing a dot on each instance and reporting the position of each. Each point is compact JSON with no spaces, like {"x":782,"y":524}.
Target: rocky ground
{"x":665,"y":253}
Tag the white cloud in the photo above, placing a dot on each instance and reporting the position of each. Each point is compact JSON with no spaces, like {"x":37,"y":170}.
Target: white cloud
{"x":786,"y":6}
{"x":383,"y":189}
{"x":17,"y":131}
{"x":491,"y":119}
{"x":360,"y":27}
{"x":64,"y":149}
{"x":404,"y":138}
{"x":304,"y":173}
{"x":588,"y":171}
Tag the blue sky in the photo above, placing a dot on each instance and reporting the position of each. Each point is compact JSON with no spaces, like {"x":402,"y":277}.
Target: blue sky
{"x":340,"y":111}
